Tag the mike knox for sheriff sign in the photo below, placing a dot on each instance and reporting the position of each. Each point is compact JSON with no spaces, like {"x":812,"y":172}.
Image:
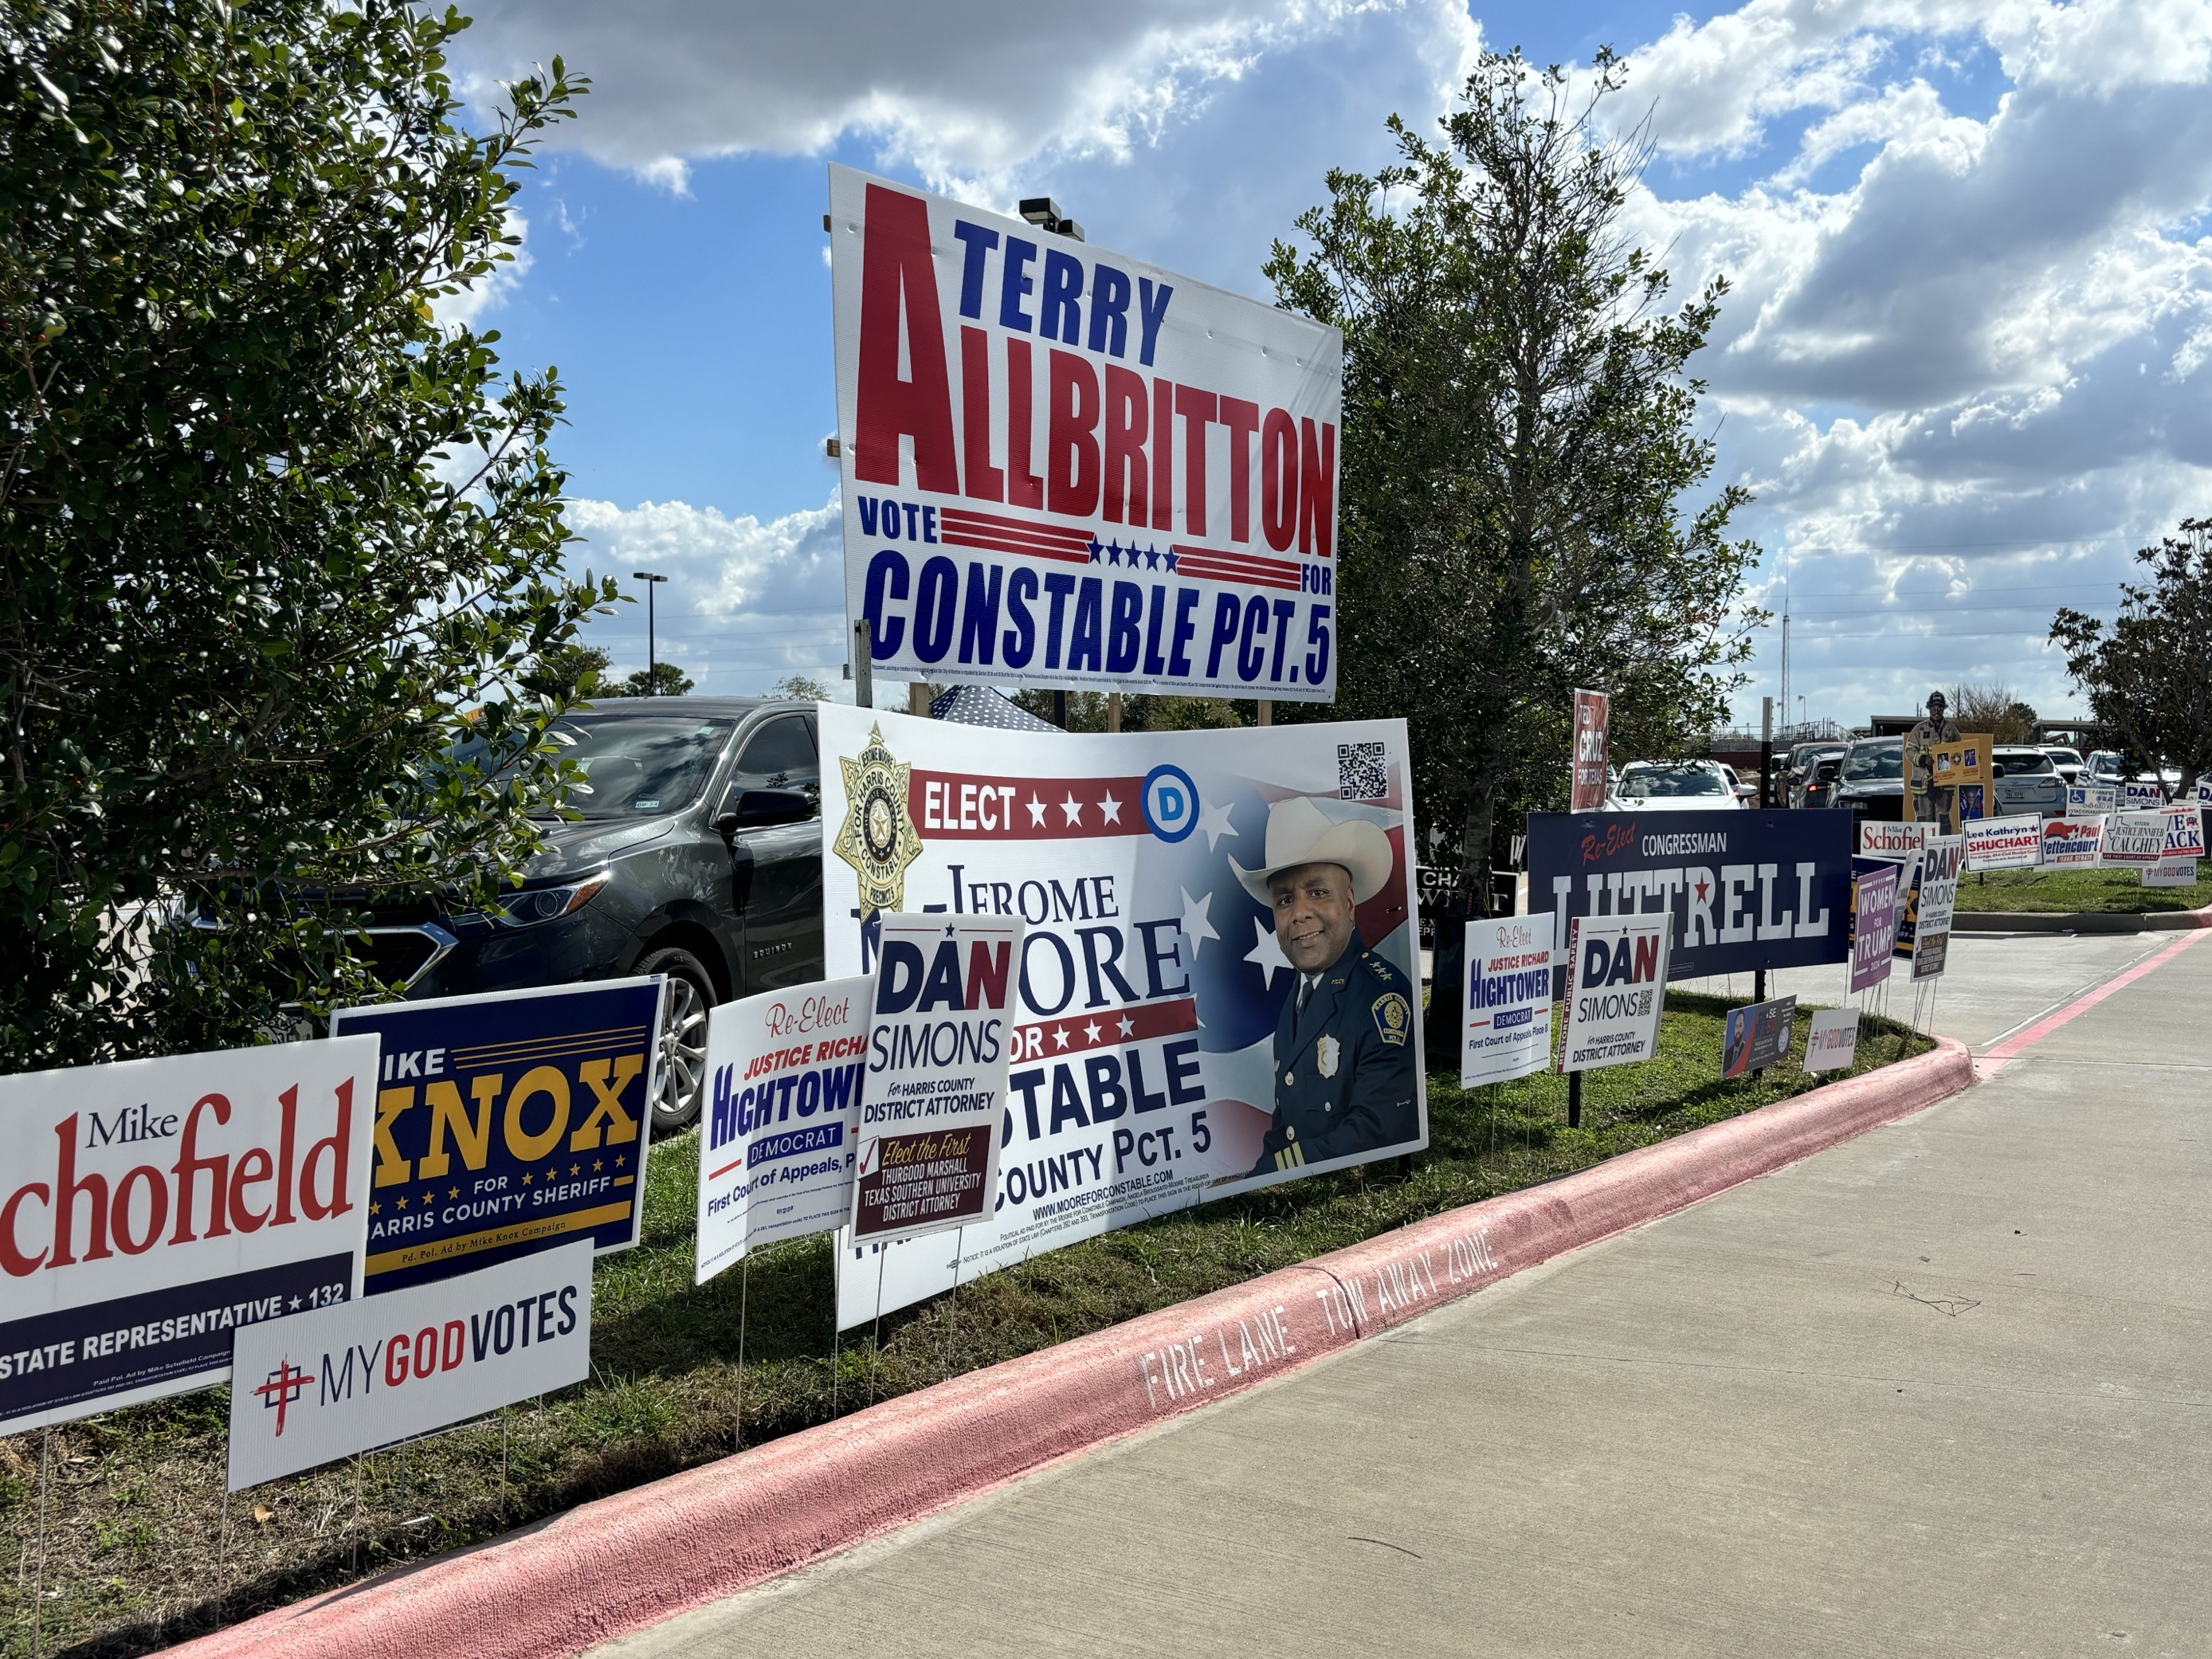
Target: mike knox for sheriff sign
{"x":1067,"y":467}
{"x":508,"y":1124}
{"x":152,"y":1208}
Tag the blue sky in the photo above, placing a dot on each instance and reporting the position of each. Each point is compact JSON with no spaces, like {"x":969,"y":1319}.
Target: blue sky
{"x":1960,"y":369}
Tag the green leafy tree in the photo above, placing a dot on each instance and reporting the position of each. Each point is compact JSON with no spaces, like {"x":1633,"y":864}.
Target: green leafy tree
{"x":275,"y":545}
{"x":803,"y":685}
{"x":1519,"y":456}
{"x":663,"y":679}
{"x":2148,"y":674}
{"x":577,"y":672}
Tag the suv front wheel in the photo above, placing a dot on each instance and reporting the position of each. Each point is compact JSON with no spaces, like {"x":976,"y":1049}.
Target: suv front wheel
{"x":682,"y":1039}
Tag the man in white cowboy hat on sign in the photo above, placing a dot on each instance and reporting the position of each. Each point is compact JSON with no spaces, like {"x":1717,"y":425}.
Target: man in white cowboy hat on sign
{"x":1344,"y":1044}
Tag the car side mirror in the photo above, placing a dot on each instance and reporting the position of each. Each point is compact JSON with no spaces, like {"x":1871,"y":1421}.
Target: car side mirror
{"x":761,"y":809}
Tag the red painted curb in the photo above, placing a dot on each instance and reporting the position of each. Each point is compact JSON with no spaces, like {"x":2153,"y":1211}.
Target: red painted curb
{"x":637,"y":1557}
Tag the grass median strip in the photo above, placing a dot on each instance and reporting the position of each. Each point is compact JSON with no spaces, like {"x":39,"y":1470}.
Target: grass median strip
{"x":2117,"y":891}
{"x":141,"y":1551}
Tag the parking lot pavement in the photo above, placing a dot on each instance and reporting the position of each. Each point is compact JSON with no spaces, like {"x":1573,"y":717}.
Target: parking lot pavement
{"x":1942,"y":1389}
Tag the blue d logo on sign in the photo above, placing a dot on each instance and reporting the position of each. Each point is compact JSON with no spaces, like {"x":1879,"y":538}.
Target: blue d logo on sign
{"x":1170,"y":803}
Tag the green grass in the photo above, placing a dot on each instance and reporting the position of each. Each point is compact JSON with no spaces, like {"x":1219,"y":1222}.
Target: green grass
{"x":2120,"y":891}
{"x":140,"y":1551}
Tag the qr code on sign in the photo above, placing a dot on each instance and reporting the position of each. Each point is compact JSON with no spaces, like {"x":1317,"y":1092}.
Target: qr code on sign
{"x":1360,"y":773}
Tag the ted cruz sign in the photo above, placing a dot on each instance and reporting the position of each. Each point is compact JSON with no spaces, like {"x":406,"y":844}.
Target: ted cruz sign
{"x":155,"y":1207}
{"x":1066,"y":467}
{"x":1746,"y":889}
{"x":508,"y":1124}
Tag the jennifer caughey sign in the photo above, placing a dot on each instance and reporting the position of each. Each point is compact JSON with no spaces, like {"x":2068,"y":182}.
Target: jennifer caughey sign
{"x":1064,"y":466}
{"x":1172,"y":889}
{"x":154,"y":1208}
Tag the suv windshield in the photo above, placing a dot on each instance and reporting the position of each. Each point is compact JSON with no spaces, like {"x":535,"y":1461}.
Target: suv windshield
{"x":1650,"y":780}
{"x":635,"y":765}
{"x":639,"y":765}
{"x":1870,"y":763}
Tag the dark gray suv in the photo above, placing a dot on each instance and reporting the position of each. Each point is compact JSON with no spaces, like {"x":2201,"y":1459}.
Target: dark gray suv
{"x":698,"y":855}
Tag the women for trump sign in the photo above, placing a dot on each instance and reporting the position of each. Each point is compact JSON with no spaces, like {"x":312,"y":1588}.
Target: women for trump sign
{"x":1064,"y":466}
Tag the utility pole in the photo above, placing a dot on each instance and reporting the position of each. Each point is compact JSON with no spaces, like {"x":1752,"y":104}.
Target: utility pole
{"x":650,"y":581}
{"x":1046,"y":215}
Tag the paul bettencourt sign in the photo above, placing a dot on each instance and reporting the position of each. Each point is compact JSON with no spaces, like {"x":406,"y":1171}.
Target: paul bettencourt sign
{"x":508,"y":1124}
{"x":776,"y":1139}
{"x":154,"y":1208}
{"x":934,"y":1087}
{"x":1215,"y":987}
{"x":315,"y":1386}
{"x":1745,"y":890}
{"x":1064,"y":466}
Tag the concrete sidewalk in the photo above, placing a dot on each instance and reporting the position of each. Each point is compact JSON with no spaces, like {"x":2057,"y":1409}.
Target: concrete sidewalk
{"x":1946,"y":1388}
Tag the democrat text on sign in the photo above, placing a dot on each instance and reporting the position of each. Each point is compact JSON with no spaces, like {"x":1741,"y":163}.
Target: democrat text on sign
{"x":1508,"y":1030}
{"x":1064,"y":466}
{"x":155,"y":1207}
{"x":776,"y":1137}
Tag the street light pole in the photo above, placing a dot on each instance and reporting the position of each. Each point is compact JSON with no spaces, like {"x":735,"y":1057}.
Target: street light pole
{"x":651,"y":661}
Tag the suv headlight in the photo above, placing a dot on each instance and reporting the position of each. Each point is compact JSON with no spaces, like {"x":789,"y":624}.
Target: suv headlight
{"x":549,"y":903}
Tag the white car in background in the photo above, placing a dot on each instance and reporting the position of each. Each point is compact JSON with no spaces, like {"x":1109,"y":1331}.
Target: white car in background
{"x":1688,"y":785}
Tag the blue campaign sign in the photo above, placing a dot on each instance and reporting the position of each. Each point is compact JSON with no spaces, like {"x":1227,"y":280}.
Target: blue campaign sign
{"x":1747,"y":889}
{"x":508,"y":1124}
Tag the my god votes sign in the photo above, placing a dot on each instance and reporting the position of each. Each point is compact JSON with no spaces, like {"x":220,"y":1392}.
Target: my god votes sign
{"x":1068,"y":467}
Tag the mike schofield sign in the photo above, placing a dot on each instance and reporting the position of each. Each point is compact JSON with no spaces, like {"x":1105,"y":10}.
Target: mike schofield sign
{"x":508,"y":1124}
{"x":935,"y":1086}
{"x":1176,"y":890}
{"x":1745,"y":890}
{"x":1064,"y":466}
{"x":777,"y":1138}
{"x":319,"y":1386}
{"x":1509,"y":999}
{"x":155,"y":1207}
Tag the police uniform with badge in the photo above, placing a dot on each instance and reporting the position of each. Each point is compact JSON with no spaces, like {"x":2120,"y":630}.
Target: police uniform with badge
{"x":1346,"y":1074}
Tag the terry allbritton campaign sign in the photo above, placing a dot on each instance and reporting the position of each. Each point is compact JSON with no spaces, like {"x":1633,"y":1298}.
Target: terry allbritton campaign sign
{"x":508,"y":1124}
{"x":1064,"y":466}
{"x":155,"y":1207}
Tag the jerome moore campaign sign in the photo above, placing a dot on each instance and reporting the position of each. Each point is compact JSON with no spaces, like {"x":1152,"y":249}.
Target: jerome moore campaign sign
{"x":935,"y":1084}
{"x":317,"y":1387}
{"x":1063,"y":467}
{"x":1508,"y":1006}
{"x":155,"y":1207}
{"x":1155,"y":998}
{"x":775,"y":1140}
{"x":1746,"y":889}
{"x":508,"y":1124}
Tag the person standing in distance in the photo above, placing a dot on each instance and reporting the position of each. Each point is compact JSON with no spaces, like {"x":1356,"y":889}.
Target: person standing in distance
{"x":1929,"y":804}
{"x":1347,"y":1075}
